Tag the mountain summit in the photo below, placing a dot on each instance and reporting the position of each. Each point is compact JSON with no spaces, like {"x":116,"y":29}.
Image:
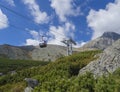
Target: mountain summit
{"x":111,"y":35}
{"x":102,"y":42}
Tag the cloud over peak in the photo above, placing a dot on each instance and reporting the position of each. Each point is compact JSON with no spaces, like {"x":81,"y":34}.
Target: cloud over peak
{"x":105,"y":19}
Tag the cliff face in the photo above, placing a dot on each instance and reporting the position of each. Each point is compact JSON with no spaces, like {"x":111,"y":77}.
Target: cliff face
{"x":108,"y":62}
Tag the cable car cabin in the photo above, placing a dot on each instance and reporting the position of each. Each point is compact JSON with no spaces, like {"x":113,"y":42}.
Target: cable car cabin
{"x":43,"y":44}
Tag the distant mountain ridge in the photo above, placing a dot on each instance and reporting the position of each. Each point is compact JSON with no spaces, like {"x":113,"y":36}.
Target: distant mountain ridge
{"x":50,"y":53}
{"x":102,"y":42}
{"x":13,"y":52}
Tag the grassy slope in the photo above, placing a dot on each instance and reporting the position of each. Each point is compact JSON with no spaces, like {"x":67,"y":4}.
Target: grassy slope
{"x":59,"y":71}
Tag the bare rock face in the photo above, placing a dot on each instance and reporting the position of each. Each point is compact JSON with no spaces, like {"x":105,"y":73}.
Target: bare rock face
{"x":108,"y":62}
{"x":102,"y":42}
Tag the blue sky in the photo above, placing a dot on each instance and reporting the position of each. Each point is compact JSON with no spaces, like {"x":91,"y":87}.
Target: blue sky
{"x":81,"y":20}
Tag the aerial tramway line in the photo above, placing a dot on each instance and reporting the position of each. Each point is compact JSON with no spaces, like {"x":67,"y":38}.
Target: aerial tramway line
{"x":43,"y":42}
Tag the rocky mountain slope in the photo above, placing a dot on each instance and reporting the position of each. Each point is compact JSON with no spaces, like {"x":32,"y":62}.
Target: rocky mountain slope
{"x":13,"y":52}
{"x":50,"y":53}
{"x":102,"y":42}
{"x":108,"y":62}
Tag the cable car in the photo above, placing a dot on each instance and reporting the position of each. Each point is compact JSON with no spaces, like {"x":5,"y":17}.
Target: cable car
{"x":43,"y":43}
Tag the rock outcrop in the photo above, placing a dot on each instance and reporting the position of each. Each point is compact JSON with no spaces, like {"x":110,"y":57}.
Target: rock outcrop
{"x":28,"y":89}
{"x":31,"y":84}
{"x":108,"y":61}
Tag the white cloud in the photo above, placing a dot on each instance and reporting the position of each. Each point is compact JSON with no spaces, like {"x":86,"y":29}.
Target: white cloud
{"x":32,"y":42}
{"x":35,"y":34}
{"x":105,"y":19}
{"x":35,"y":38}
{"x":39,"y":16}
{"x":3,"y":20}
{"x":64,"y":8}
{"x":55,"y":34}
{"x":61,"y":32}
{"x":10,"y":2}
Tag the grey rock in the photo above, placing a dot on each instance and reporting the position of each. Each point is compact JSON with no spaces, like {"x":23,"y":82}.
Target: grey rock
{"x":31,"y":82}
{"x":28,"y":89}
{"x":108,"y":61}
{"x":1,"y":74}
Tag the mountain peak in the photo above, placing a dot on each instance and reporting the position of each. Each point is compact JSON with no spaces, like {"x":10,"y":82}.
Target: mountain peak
{"x":102,"y":42}
{"x":112,"y":35}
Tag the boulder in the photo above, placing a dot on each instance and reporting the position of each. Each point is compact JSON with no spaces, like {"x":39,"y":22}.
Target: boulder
{"x":31,"y":82}
{"x":28,"y":89}
{"x":1,"y":74}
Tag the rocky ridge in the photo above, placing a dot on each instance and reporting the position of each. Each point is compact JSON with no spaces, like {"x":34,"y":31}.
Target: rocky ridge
{"x":108,"y":61}
{"x":102,"y":42}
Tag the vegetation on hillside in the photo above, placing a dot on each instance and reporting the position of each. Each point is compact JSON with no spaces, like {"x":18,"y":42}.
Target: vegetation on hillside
{"x":62,"y":69}
{"x":7,"y":65}
{"x":62,"y":76}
